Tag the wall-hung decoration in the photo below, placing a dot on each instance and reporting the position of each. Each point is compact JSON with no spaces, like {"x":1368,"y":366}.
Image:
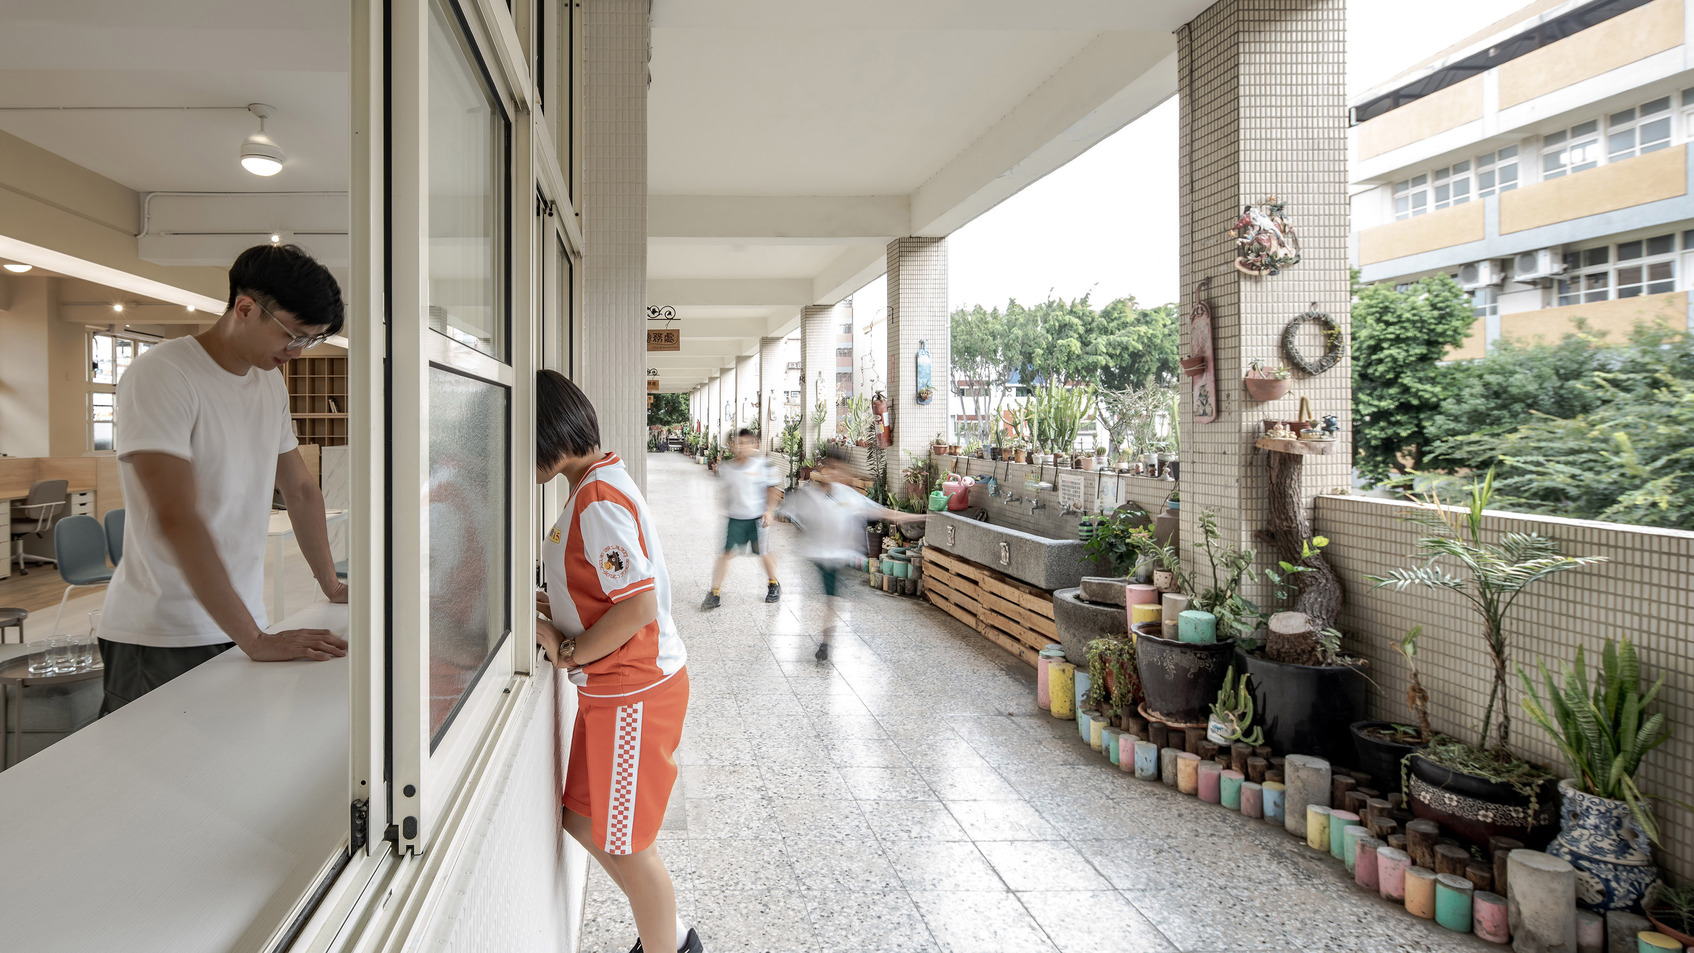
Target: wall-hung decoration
{"x":1331,"y":341}
{"x":1199,"y":365}
{"x":1264,"y":240}
{"x":926,"y":390}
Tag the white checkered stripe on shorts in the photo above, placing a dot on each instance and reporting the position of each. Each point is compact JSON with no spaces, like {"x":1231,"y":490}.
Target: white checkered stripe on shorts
{"x":626,"y":771}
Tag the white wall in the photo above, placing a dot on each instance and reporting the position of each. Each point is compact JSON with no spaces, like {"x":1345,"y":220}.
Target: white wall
{"x":24,"y":404}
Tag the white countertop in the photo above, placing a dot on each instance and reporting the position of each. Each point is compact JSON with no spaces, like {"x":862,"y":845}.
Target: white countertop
{"x":190,"y":820}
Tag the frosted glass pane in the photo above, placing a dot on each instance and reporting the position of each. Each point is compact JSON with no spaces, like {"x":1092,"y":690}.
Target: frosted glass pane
{"x":468,"y":517}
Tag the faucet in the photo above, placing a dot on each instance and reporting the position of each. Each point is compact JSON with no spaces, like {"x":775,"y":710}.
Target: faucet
{"x":1070,"y":509}
{"x":1011,"y":498}
{"x":1035,"y":503}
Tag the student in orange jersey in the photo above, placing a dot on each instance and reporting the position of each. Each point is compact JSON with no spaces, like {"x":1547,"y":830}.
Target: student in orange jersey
{"x":606,"y":619}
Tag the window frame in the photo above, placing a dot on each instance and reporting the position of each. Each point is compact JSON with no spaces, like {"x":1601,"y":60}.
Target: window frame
{"x":1597,"y":273}
{"x":143,"y":343}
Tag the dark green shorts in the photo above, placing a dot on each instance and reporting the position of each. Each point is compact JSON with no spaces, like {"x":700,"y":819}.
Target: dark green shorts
{"x":828,"y":573}
{"x":744,"y":533}
{"x":134,"y":670}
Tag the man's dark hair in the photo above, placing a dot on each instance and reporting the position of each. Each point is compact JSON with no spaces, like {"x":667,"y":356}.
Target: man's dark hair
{"x":284,"y":277}
{"x":565,"y":423}
{"x":745,"y":433}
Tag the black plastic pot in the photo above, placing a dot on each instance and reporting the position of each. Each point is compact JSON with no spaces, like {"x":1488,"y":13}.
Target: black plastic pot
{"x":1475,"y":809}
{"x":1380,"y":759}
{"x":1180,"y":680}
{"x":1306,"y":709}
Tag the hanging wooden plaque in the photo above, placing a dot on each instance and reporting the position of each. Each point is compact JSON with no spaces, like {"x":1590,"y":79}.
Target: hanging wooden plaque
{"x":1200,"y":365}
{"x":664,"y":339}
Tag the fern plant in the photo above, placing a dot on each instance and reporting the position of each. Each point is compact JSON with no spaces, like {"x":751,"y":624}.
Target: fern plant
{"x":1603,"y":733}
{"x":1496,"y":573}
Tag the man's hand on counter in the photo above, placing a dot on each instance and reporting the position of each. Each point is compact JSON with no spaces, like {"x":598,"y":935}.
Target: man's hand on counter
{"x":319,"y":644}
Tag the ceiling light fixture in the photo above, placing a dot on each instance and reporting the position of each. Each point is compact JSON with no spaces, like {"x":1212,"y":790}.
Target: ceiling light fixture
{"x":16,"y":268}
{"x":260,"y":155}
{"x":118,"y":307}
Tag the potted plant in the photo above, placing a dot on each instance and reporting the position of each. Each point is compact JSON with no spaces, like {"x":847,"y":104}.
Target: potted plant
{"x":1606,"y":828}
{"x":879,"y":403}
{"x":1115,"y":542}
{"x":1672,"y":911}
{"x":1232,"y":714}
{"x":1020,"y":451}
{"x":921,"y":474}
{"x":1382,"y":746}
{"x":1265,"y":382}
{"x":1180,"y":680}
{"x":1114,"y":688}
{"x":1480,"y":789}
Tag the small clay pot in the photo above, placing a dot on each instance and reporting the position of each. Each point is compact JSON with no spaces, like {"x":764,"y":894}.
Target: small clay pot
{"x":1194,"y":366}
{"x":1266,"y":388}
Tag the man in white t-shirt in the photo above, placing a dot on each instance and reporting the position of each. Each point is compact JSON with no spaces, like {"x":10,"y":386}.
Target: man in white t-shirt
{"x":751,"y":493}
{"x":204,"y":438}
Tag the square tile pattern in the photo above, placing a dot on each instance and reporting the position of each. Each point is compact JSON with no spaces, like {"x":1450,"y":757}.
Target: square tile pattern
{"x":944,"y":811}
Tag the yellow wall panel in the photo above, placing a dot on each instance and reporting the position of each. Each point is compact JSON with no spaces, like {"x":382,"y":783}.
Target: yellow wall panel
{"x":1475,"y":346}
{"x":1438,"y":112}
{"x":1614,"y":318}
{"x":1617,"y":42}
{"x":1442,"y":229}
{"x":1648,"y":178}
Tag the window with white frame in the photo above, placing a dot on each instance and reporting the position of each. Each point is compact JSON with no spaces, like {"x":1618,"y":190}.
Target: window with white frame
{"x":109,"y":355}
{"x":1411,"y":197}
{"x":1497,"y":172}
{"x":1688,"y":113}
{"x":1638,"y":130}
{"x":1571,"y":150}
{"x":1643,"y":266}
{"x":1452,"y":184}
{"x":1485,"y":302}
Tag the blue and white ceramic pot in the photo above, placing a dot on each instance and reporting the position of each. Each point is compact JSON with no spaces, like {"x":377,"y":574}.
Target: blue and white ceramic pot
{"x":1602,"y":840}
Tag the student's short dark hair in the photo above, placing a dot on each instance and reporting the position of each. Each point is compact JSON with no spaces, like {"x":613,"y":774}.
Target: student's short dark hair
{"x":285,"y":277}
{"x":565,"y":422}
{"x":745,"y":433}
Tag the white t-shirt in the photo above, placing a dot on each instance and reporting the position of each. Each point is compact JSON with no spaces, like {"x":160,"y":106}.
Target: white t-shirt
{"x":231,"y":428}
{"x":747,"y":483}
{"x":832,"y":522}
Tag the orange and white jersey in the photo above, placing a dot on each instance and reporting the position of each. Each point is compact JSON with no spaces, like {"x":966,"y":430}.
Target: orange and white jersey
{"x":602,"y":551}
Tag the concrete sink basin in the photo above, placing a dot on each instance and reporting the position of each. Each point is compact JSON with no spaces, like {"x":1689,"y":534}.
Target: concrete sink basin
{"x":1038,"y":560}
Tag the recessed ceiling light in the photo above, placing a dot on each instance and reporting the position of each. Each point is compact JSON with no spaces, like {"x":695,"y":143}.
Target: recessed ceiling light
{"x":17,"y":268}
{"x":275,"y":238}
{"x":259,"y":154}
{"x":118,"y":307}
{"x":190,"y":307}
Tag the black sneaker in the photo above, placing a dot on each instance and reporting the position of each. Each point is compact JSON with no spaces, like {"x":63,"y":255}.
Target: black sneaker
{"x":711,"y":601}
{"x":691,"y":944}
{"x":822,"y":654}
{"x":773,"y":592}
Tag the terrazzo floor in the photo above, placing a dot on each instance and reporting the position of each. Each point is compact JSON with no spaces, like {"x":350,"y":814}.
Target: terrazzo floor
{"x":907,"y":795}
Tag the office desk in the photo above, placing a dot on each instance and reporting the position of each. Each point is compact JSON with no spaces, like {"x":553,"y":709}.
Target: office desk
{"x":81,"y":501}
{"x":280,"y":530}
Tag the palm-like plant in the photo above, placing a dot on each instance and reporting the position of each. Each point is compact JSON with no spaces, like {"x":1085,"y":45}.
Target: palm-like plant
{"x":1605,"y":733}
{"x":1495,"y":575}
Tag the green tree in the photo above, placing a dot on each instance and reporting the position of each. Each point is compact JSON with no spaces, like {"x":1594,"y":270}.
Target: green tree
{"x":1127,"y":346}
{"x":667,"y":409}
{"x":1400,"y":341}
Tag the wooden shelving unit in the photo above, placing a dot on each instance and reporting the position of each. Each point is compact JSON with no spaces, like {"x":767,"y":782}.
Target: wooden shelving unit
{"x":317,"y":399}
{"x":1011,"y":614}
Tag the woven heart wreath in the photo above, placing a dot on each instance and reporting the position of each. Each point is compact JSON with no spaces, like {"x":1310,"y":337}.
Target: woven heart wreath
{"x":1331,"y":338}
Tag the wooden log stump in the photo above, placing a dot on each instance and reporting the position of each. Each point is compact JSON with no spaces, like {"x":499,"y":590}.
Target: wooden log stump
{"x":1451,"y":859}
{"x":1355,"y":801}
{"x":1134,"y":724}
{"x":1378,"y":807}
{"x":1319,"y":601}
{"x":1421,"y":835}
{"x":1381,"y":827}
{"x":1480,"y":874}
{"x":1256,"y":768}
{"x":1263,"y":751}
{"x":1192,"y":739}
{"x":1159,"y":734}
{"x":1239,"y":752}
{"x":1273,"y":775}
{"x":1339,"y":786}
{"x":1498,"y":849}
{"x":1208,"y":750}
{"x":1397,"y":841}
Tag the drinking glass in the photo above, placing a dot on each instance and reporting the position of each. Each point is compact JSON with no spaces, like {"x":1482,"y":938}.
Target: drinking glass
{"x":40,"y":660}
{"x":85,"y":652}
{"x":94,"y":622}
{"x":61,"y":654}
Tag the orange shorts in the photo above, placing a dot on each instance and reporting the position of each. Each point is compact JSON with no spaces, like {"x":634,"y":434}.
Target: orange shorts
{"x":622,"y":763}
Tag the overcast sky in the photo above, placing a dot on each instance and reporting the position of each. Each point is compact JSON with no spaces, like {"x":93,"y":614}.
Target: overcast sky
{"x":1107,"y":222}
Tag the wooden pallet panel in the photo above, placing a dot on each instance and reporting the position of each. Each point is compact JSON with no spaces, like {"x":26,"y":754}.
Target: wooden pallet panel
{"x":956,"y":565}
{"x":1011,"y":645}
{"x":946,"y":605}
{"x":1012,"y":629}
{"x":1041,"y":605}
{"x":1038,"y":624}
{"x":935,"y":575}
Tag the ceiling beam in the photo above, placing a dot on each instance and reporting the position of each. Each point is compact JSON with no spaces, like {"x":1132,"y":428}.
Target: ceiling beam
{"x":806,"y":219}
{"x":733,"y":292}
{"x":1114,"y":80}
{"x":850,"y":271}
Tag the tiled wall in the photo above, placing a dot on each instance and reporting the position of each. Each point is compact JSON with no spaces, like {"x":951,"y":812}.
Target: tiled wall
{"x":771,"y":375}
{"x":917,"y":311}
{"x":1645,"y":591}
{"x":1100,"y":490}
{"x":612,"y":366}
{"x":1263,"y":112}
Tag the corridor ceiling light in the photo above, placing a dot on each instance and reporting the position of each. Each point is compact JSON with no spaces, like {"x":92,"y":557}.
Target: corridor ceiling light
{"x":259,"y":155}
{"x":16,"y":268}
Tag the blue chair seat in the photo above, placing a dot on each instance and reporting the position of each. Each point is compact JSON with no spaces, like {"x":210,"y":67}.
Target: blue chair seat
{"x":79,"y":546}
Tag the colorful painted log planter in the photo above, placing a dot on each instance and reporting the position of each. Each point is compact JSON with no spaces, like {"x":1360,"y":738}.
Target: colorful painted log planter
{"x":1043,"y":698}
{"x":1167,"y":765}
{"x":1365,"y":872}
{"x":1252,"y":799}
{"x":1188,"y":772}
{"x":1079,"y":689}
{"x":1146,"y":761}
{"x":1096,"y":731}
{"x":1210,"y":782}
{"x":1317,"y":826}
{"x":1652,"y":942}
{"x":1229,"y":789}
{"x":1420,"y":892}
{"x":1351,"y":838}
{"x":1127,"y":743}
{"x":1109,"y":744}
{"x":1590,"y":932}
{"x":1391,"y":864}
{"x":1453,"y":902}
{"x":1488,"y":919}
{"x":1197,"y":626}
{"x":1083,"y":717}
{"x":1061,"y":683}
{"x":1276,"y":802}
{"x":1339,"y":821}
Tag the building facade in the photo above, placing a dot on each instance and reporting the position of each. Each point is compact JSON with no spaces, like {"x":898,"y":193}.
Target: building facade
{"x":1544,"y":164}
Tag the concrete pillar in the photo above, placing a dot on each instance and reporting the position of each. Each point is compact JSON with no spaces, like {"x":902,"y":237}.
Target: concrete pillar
{"x":726,"y":404}
{"x":817,"y":370}
{"x":713,"y":405}
{"x":917,"y":315}
{"x":746,"y":391}
{"x":612,"y":322}
{"x":770,"y":393}
{"x":1243,"y":139}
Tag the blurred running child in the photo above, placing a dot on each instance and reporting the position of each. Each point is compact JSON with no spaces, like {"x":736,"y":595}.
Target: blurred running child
{"x":606,"y":619}
{"x":832,"y":515}
{"x":752,"y":490}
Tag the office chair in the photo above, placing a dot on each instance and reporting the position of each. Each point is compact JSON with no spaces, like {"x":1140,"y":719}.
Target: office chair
{"x":47,"y":498}
{"x":80,"y":544}
{"x":115,"y":534}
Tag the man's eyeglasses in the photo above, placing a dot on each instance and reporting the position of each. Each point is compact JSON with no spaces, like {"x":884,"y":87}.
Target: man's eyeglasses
{"x":296,"y":342}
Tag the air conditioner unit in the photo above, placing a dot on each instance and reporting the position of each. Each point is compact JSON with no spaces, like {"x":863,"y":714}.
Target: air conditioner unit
{"x":1538,"y":264}
{"x":1480,"y":274}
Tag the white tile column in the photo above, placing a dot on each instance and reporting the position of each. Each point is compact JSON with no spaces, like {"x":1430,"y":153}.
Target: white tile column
{"x":1243,"y":139}
{"x":746,"y":390}
{"x":614,"y":211}
{"x":817,"y":369}
{"x":917,"y":316}
{"x":770,"y":393}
